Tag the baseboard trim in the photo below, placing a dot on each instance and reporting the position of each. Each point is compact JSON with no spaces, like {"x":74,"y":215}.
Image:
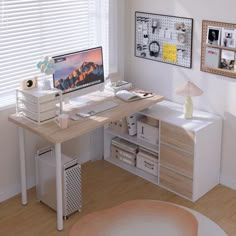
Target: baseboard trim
{"x":228,"y":182}
{"x":15,"y":190}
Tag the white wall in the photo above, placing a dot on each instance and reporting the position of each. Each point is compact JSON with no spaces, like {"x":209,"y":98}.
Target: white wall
{"x":219,"y":92}
{"x":9,"y":157}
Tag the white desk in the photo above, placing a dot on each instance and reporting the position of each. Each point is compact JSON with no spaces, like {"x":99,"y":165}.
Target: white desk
{"x":52,"y":133}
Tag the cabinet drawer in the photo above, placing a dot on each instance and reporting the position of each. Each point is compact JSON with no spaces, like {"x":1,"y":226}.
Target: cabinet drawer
{"x":176,"y":182}
{"x":176,"y":160}
{"x":177,"y":137}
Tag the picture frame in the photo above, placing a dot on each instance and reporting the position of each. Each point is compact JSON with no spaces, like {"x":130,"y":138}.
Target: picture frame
{"x":228,"y":38}
{"x":218,"y":57}
{"x":214,"y":35}
{"x":227,"y":60}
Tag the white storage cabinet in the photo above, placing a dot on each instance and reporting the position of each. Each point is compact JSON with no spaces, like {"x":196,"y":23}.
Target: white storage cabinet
{"x":189,"y":150}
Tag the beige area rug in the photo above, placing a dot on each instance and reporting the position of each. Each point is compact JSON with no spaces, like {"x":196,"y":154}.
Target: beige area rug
{"x":138,"y":218}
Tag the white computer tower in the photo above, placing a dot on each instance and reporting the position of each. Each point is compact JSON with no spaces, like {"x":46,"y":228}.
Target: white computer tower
{"x":46,"y":181}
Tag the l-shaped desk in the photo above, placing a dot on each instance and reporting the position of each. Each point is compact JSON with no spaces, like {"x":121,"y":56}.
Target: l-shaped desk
{"x":52,"y":133}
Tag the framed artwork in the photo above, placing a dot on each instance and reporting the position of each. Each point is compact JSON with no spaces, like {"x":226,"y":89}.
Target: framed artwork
{"x":213,"y":35}
{"x":218,"y":48}
{"x":227,"y":60}
{"x":228,"y":38}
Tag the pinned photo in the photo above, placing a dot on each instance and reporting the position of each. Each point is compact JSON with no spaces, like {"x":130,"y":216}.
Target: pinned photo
{"x":228,"y":38}
{"x":213,"y":35}
{"x":227,"y":60}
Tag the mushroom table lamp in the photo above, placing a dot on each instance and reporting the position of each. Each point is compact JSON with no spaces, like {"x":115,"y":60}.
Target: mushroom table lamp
{"x":188,"y":90}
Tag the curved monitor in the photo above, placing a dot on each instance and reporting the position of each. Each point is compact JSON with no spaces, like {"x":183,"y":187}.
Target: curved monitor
{"x":78,"y":70}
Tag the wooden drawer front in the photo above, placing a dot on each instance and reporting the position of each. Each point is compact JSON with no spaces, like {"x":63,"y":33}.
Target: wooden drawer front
{"x":176,"y":182}
{"x":176,"y":160}
{"x":177,"y":137}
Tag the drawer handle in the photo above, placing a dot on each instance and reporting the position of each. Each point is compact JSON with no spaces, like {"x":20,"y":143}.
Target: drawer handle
{"x":148,"y":165}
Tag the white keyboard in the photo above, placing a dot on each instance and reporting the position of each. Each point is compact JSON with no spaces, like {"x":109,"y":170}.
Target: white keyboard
{"x":93,"y":110}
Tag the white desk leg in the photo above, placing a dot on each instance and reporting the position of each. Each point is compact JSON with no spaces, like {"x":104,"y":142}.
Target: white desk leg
{"x":22,"y":166}
{"x":59,"y":187}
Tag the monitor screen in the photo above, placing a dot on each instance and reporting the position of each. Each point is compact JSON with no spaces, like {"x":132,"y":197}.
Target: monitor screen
{"x":78,"y":70}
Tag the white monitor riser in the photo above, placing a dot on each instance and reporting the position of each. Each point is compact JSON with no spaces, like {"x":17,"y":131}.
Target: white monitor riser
{"x":76,"y":97}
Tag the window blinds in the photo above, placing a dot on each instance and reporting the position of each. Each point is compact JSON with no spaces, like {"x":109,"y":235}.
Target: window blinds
{"x":33,"y":29}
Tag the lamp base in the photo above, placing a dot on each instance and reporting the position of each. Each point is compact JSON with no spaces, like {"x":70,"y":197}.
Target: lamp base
{"x":188,"y":108}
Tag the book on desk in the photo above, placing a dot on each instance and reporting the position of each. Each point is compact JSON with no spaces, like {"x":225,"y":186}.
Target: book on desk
{"x":118,"y":85}
{"x":129,"y":96}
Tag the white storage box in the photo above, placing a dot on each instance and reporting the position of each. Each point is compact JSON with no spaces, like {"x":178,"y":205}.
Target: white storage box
{"x":122,"y":155}
{"x":42,"y":116}
{"x":132,"y":123}
{"x":33,"y":107}
{"x":119,"y":126}
{"x":125,"y":145}
{"x":36,"y":95}
{"x":40,"y":106}
{"x":147,"y":132}
{"x":124,"y":151}
{"x":147,"y":161}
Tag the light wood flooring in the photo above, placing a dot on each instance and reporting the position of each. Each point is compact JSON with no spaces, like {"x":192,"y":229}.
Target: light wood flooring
{"x":105,"y":185}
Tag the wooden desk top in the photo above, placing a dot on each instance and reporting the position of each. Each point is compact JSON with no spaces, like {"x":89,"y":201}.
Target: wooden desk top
{"x":53,"y":133}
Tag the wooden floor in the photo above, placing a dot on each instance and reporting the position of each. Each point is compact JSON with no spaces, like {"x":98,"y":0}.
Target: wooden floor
{"x":105,"y":185}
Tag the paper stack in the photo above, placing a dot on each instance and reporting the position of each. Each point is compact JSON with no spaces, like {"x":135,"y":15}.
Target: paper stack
{"x":118,"y":85}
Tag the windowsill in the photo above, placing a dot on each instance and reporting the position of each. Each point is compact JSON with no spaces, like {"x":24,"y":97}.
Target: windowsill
{"x":7,"y":107}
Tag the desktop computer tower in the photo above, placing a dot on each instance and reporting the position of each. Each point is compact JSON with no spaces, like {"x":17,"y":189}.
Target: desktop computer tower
{"x":46,"y":181}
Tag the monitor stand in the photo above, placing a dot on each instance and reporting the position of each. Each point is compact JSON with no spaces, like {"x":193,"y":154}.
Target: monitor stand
{"x":83,"y":97}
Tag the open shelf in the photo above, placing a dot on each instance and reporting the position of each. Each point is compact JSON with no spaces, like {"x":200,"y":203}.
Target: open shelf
{"x":189,"y":161}
{"x":220,"y":47}
{"x":134,"y":170}
{"x":135,"y":140}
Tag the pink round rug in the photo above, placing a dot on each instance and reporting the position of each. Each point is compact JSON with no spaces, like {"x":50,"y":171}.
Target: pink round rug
{"x":138,"y":218}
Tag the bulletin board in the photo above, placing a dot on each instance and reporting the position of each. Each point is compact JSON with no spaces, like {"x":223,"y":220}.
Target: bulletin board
{"x":218,"y":56}
{"x":164,"y":38}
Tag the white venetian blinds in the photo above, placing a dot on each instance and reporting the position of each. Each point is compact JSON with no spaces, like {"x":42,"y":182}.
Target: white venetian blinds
{"x":33,"y":29}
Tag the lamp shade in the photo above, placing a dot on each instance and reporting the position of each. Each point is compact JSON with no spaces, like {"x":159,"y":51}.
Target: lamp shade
{"x":189,"y":89}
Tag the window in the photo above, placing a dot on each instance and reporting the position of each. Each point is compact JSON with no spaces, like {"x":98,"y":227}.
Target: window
{"x":33,"y":29}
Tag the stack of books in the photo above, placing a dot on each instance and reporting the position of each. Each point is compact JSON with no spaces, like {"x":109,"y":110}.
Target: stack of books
{"x":124,"y":151}
{"x":125,"y":145}
{"x":118,"y":85}
{"x":129,"y":96}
